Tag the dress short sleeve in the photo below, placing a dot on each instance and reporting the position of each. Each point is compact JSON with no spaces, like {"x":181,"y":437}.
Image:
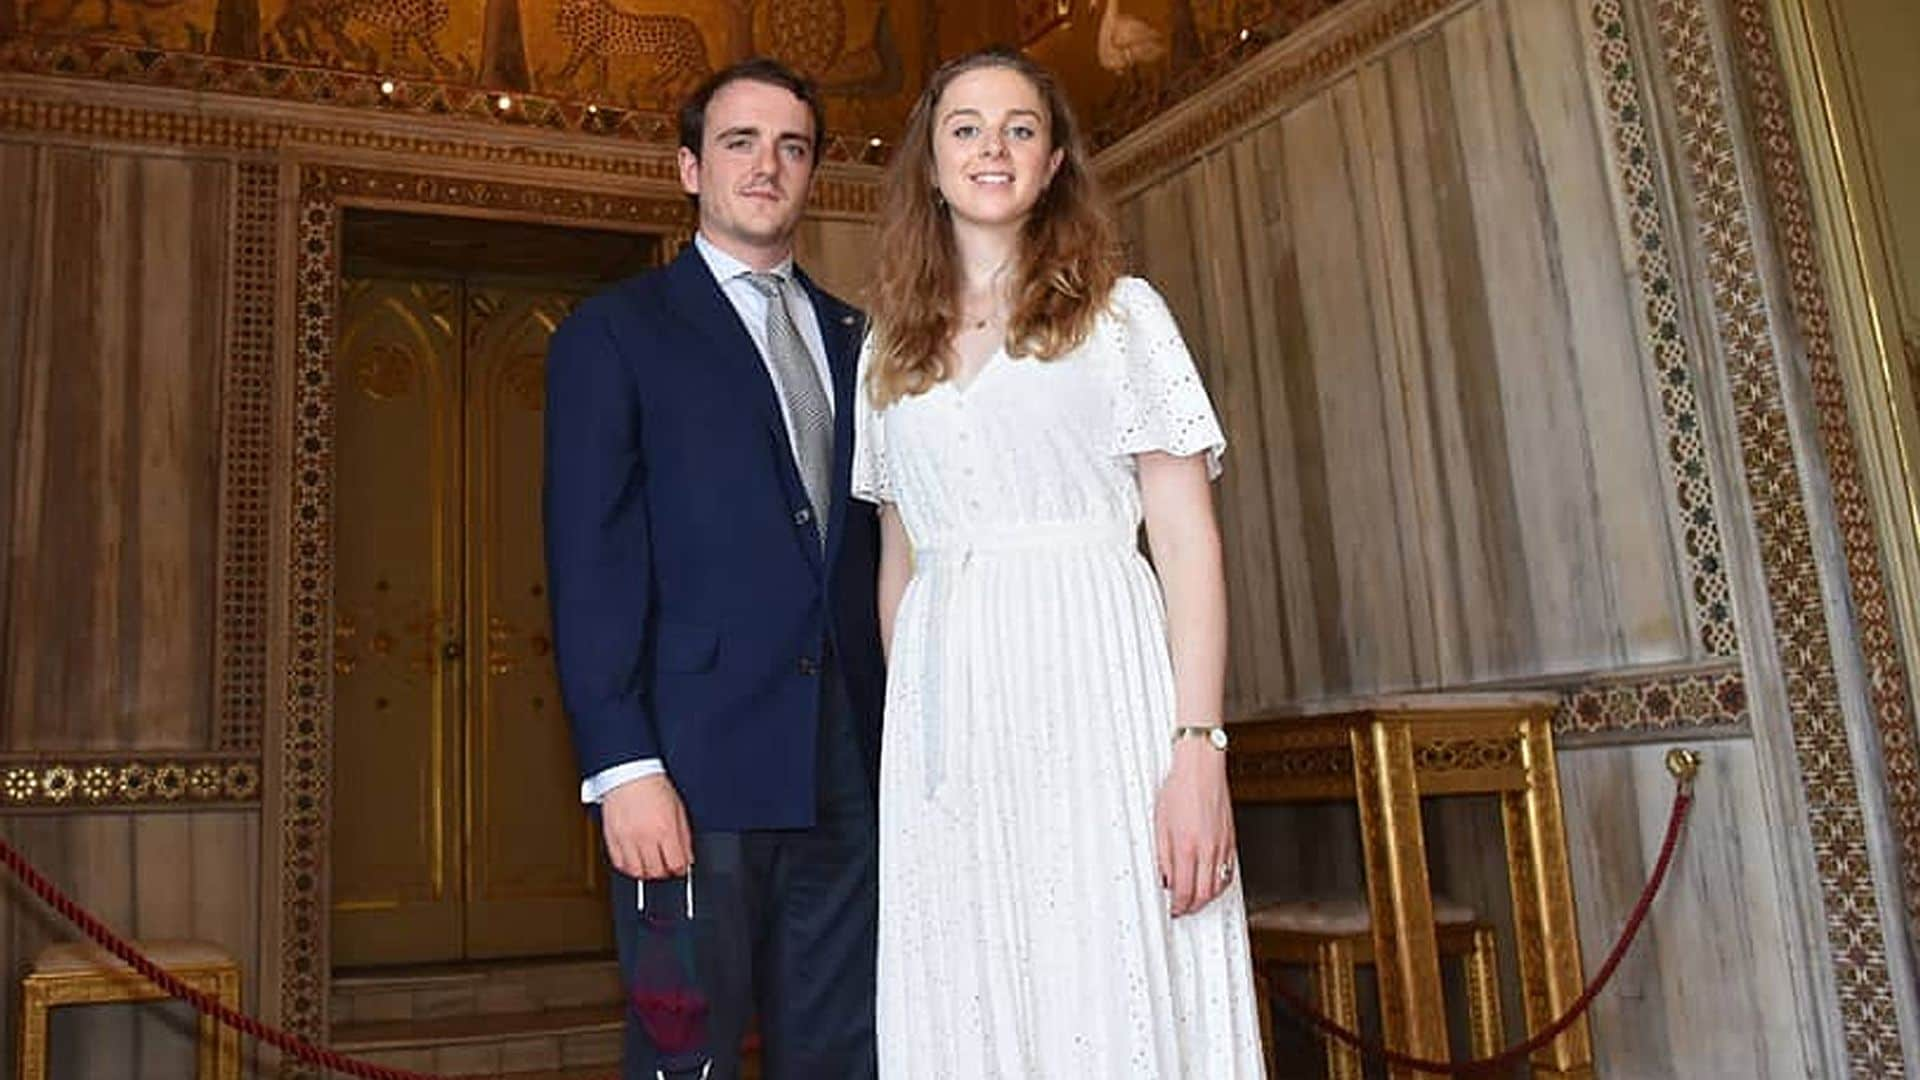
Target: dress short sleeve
{"x":1159,"y":402}
{"x":871,"y":482}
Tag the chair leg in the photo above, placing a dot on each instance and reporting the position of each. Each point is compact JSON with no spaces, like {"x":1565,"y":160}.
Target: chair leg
{"x":1483,"y":994}
{"x":33,"y":1031}
{"x":1263,"y":1000}
{"x":1334,"y":992}
{"x":229,"y":1039}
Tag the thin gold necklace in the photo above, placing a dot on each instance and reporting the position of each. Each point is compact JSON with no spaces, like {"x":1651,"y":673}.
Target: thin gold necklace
{"x":993,"y":289}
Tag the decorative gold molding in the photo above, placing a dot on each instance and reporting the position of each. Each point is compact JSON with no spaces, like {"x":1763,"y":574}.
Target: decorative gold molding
{"x":1296,"y":761}
{"x":361,"y":91}
{"x":1463,"y":754}
{"x":182,"y":123}
{"x":128,"y":781}
{"x":1790,"y":571}
{"x":355,"y":185}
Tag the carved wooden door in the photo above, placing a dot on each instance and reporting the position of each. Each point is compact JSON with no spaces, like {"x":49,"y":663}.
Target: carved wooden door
{"x":457,"y":829}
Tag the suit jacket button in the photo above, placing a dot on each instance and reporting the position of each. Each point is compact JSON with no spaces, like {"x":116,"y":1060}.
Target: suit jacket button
{"x":802,"y":516}
{"x":809,"y":666}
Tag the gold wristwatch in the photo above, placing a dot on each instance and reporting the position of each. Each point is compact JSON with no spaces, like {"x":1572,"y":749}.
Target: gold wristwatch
{"x":1213,"y":733}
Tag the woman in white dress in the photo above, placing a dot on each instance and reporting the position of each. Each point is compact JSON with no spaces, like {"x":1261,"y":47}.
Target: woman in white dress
{"x":1058,"y":896}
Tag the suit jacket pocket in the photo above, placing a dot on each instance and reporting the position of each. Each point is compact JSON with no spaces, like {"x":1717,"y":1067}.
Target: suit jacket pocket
{"x":685,"y":646}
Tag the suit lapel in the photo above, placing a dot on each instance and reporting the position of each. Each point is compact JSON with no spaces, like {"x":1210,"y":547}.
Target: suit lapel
{"x":706,"y":307}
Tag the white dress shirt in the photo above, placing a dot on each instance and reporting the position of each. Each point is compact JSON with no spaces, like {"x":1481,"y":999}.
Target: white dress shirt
{"x":751,"y":304}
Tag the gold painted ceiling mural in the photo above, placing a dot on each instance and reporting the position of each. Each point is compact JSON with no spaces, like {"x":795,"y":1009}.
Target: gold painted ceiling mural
{"x":618,"y":66}
{"x":1125,"y":60}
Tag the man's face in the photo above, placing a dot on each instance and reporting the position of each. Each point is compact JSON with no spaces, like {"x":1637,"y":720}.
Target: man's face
{"x":754,"y":169}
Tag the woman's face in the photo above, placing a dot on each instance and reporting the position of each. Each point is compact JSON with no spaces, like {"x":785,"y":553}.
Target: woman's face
{"x":993,"y":151}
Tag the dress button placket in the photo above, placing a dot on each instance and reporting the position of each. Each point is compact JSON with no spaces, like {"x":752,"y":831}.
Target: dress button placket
{"x":967,"y":472}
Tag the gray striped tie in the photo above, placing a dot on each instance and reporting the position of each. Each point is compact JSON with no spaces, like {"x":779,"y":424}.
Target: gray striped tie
{"x":809,"y":416}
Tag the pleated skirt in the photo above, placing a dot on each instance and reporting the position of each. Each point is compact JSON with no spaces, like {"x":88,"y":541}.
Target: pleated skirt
{"x":1024,"y":931}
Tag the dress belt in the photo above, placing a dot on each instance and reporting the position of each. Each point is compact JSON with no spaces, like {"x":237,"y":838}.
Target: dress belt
{"x":1056,"y":536}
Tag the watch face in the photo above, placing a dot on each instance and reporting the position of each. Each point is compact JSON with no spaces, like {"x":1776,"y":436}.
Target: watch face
{"x":1218,"y":737}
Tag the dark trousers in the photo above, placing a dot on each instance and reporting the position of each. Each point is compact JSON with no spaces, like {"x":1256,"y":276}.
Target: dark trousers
{"x":783,"y":928}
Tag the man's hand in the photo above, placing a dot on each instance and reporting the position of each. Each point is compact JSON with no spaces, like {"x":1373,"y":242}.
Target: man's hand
{"x":646,"y":829}
{"x":1193,"y":825}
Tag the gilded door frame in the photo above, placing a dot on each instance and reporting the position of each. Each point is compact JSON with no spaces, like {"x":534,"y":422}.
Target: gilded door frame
{"x":295,"y":903}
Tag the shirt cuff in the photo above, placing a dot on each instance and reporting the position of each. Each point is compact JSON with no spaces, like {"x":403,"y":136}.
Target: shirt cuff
{"x":595,"y":787}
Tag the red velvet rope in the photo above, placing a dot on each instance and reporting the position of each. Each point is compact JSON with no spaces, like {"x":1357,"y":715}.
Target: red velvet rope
{"x":340,"y":1063}
{"x":205,"y":1003}
{"x":1682,"y":802}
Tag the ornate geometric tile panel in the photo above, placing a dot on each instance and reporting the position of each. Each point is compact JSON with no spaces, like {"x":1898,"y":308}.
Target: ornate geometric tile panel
{"x":246,"y":457}
{"x":1772,"y":474}
{"x":1790,"y":206}
{"x":1673,"y":373}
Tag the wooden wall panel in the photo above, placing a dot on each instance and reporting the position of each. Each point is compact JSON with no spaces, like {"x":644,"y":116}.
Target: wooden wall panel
{"x":1422,"y":303}
{"x":18,"y":244}
{"x":1707,"y":991}
{"x":114,"y":278}
{"x":1231,"y":320}
{"x":113,"y":468}
{"x":1413,"y":297}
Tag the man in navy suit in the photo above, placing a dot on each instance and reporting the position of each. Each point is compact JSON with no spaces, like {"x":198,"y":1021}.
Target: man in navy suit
{"x":713,"y":598}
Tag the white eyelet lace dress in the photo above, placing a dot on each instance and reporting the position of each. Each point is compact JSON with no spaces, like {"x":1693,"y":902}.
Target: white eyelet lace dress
{"x":1024,"y":933}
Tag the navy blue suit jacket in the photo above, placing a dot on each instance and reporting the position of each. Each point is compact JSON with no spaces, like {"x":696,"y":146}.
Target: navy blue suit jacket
{"x":694,"y":611}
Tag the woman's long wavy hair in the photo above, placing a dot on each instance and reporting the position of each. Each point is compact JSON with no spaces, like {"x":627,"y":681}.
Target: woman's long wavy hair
{"x":1066,"y":265}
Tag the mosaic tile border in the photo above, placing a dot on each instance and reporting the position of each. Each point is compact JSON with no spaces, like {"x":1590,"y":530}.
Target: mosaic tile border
{"x":1711,"y":600}
{"x":1666,"y":705}
{"x":306,"y":759}
{"x":1790,"y":204}
{"x":1856,"y":945}
{"x":246,"y":459}
{"x":130,"y":782}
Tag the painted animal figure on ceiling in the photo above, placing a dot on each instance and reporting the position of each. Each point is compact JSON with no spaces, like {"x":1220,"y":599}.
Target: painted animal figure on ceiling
{"x":407,"y":21}
{"x":1125,"y":42}
{"x":809,"y":35}
{"x":671,"y":45}
{"x":43,"y":16}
